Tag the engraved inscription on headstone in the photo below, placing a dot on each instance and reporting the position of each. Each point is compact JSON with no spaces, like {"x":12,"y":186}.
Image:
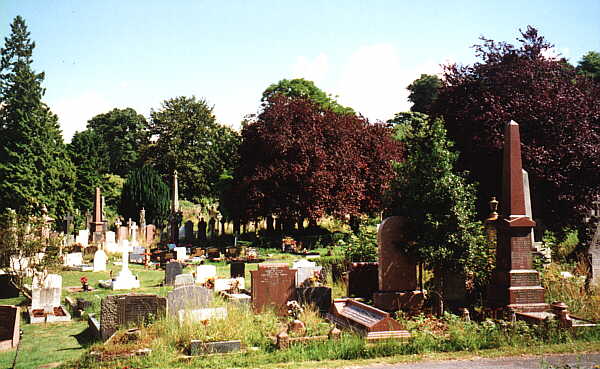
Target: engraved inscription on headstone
{"x":273,"y":285}
{"x":188,"y":298}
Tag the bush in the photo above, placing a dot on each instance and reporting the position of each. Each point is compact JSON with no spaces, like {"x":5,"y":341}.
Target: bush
{"x":361,"y":246}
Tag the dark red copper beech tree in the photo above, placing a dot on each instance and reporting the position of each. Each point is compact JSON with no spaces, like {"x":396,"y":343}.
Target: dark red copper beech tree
{"x":557,"y":110}
{"x":299,"y":160}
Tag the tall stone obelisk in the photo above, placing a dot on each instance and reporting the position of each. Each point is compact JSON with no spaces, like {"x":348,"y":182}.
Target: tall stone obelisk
{"x":174,"y":217}
{"x":515,"y":284}
{"x":97,"y":223}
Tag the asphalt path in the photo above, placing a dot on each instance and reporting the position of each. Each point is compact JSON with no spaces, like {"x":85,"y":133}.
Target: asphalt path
{"x":564,"y":361}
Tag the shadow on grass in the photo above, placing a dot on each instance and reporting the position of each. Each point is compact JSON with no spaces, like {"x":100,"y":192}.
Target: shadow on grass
{"x":85,"y":338}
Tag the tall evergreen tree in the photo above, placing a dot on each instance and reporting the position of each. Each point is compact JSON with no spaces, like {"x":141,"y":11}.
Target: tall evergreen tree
{"x":145,"y":188}
{"x":34,"y":166}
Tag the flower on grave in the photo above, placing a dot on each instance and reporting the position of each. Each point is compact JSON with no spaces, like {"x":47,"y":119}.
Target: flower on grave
{"x":210,"y":283}
{"x":288,"y":241}
{"x":83,"y":280}
{"x":294,"y":309}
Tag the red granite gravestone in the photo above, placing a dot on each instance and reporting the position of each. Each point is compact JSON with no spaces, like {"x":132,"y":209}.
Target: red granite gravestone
{"x":397,"y":271}
{"x":515,"y":285}
{"x":9,"y":327}
{"x":97,"y":223}
{"x":273,"y":285}
{"x":150,"y":234}
{"x":362,"y":279}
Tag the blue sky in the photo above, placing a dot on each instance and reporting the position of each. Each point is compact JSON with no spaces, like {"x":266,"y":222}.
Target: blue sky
{"x":99,"y":55}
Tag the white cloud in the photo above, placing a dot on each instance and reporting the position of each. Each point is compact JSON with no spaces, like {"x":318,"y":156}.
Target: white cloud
{"x":74,"y":112}
{"x":373,"y":81}
{"x":311,"y":69}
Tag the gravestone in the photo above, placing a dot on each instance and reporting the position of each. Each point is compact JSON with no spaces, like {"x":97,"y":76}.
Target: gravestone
{"x":110,"y":241}
{"x":305,"y":270}
{"x":118,"y":311}
{"x":368,"y":321}
{"x":237,"y":269}
{"x":10,"y":319}
{"x":188,"y":298}
{"x":123,"y":233}
{"x":150,"y":234}
{"x":100,"y":261}
{"x":183,"y":280}
{"x":273,"y":285}
{"x":137,"y":255}
{"x":201,"y":315}
{"x":125,"y":279}
{"x":232,"y":252}
{"x":211,"y":228}
{"x":515,"y":285}
{"x":45,"y":300}
{"x":213,"y":253}
{"x":594,"y":254}
{"x":7,"y":288}
{"x":227,"y":284}
{"x":320,"y":297}
{"x":363,"y":279}
{"x":202,"y":230}
{"x":83,"y":237}
{"x":90,"y":250}
{"x":172,"y":269}
{"x":204,"y":272}
{"x":189,"y":231}
{"x":397,"y":272}
{"x":181,"y":253}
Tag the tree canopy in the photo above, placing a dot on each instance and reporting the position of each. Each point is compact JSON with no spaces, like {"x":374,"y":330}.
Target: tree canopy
{"x":589,"y":65}
{"x":557,"y":111}
{"x":34,"y":167}
{"x":298,"y":160}
{"x":423,"y":92}
{"x":300,"y":87}
{"x":187,"y":138}
{"x":144,"y":188}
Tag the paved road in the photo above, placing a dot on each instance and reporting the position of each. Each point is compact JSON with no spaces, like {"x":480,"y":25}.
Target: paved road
{"x":567,"y":361}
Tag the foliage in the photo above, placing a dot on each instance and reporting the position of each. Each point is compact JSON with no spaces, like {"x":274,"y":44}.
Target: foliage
{"x":423,"y":92}
{"x":144,"y":188}
{"x":189,"y":140}
{"x":302,"y":88}
{"x":34,"y":166}
{"x":121,"y":133}
{"x":87,"y":151}
{"x":300,"y":161}
{"x":361,"y":246}
{"x":589,"y":65}
{"x":27,"y":248}
{"x":437,"y":201}
{"x":563,"y":248}
{"x":557,"y":111}
{"x":112,"y":187}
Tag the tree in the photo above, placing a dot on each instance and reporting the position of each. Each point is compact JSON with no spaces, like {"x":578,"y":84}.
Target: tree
{"x":144,"y":188}
{"x":437,"y":201}
{"x":34,"y":166}
{"x":189,"y":140}
{"x":557,"y":111}
{"x":300,"y":87}
{"x":122,"y":132}
{"x":589,"y":65}
{"x":87,"y":151}
{"x":298,"y":160}
{"x":423,"y":92}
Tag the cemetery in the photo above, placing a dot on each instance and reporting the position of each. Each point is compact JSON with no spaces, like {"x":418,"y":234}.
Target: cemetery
{"x":313,"y":237}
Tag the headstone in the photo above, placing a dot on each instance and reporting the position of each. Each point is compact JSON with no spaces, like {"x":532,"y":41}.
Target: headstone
{"x":188,"y":298}
{"x":110,"y":238}
{"x":515,"y":284}
{"x":74,"y":258}
{"x":211,"y":228}
{"x":7,"y":288}
{"x":320,"y":297}
{"x":273,"y":285}
{"x":10,"y":319}
{"x":150,"y":234}
{"x":594,"y":254}
{"x":189,"y":231}
{"x":100,"y":261}
{"x":125,"y":279}
{"x":237,"y":269}
{"x":204,"y":272}
{"x":227,"y":284}
{"x":202,"y":230}
{"x":201,"y":315}
{"x":83,"y":237}
{"x":305,"y":270}
{"x":366,"y":320}
{"x":397,"y":272}
{"x":172,"y":269}
{"x":183,"y":280}
{"x":137,"y":255}
{"x":213,"y":253}
{"x":181,"y":253}
{"x":45,"y":300}
{"x":118,"y":311}
{"x":363,"y":279}
{"x":133,"y":233}
{"x":123,"y":234}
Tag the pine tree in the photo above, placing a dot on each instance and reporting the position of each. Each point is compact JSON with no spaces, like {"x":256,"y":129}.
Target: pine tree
{"x":145,"y":188}
{"x":34,"y":166}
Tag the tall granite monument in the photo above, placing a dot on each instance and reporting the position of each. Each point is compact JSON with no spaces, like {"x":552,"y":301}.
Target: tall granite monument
{"x":515,"y":284}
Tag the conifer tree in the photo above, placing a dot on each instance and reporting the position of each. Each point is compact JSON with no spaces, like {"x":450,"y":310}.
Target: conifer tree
{"x":145,"y":188}
{"x":34,"y":166}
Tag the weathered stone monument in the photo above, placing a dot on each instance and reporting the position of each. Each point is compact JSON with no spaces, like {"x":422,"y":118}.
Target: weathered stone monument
{"x":189,"y":231}
{"x":188,"y":298}
{"x":125,"y":280}
{"x":172,"y":269}
{"x":202,"y":229}
{"x":237,"y":269}
{"x":183,"y":280}
{"x":204,"y":272}
{"x":118,"y":311}
{"x":594,"y":254}
{"x":305,"y":270}
{"x":515,"y":284}
{"x":176,"y":216}
{"x":10,"y":319}
{"x":362,"y":279}
{"x":100,"y":261}
{"x":273,"y":285}
{"x":397,"y":272}
{"x":97,"y":224}
{"x":46,"y":300}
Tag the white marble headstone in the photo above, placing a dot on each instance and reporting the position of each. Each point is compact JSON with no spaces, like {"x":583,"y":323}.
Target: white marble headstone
{"x":181,"y":253}
{"x":99,"y":261}
{"x":225,"y":284}
{"x":74,"y":258}
{"x":204,"y":272}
